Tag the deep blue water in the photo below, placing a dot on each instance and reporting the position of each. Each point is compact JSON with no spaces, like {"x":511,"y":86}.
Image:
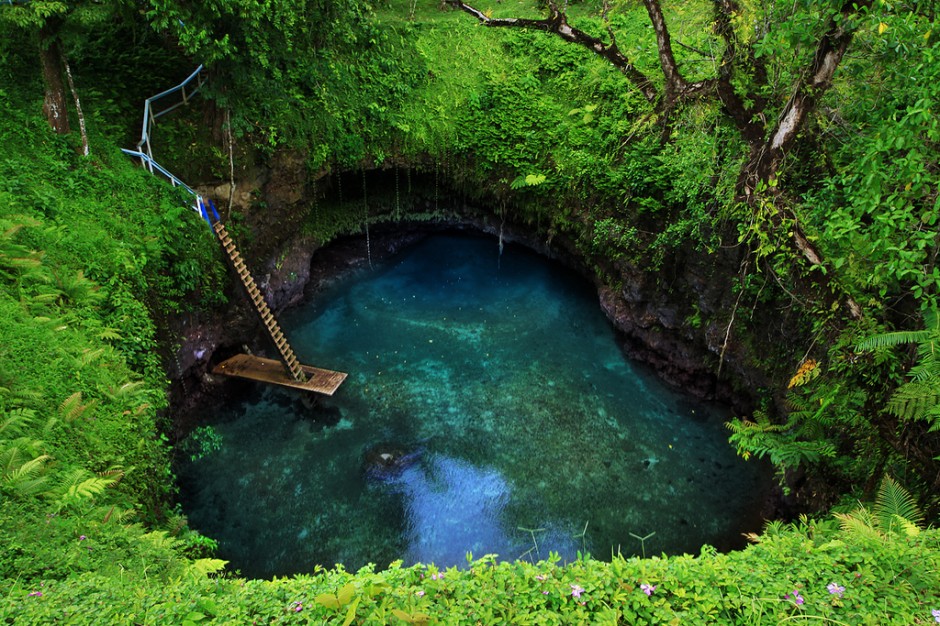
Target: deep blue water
{"x":515,"y":424}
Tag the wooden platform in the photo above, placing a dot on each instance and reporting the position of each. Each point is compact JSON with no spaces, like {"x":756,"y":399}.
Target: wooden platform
{"x":272,"y":371}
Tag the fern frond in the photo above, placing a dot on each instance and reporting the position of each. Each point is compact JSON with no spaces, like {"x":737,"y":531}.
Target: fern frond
{"x":859,"y":524}
{"x":72,"y":408}
{"x":914,"y":400}
{"x":109,"y":334}
{"x":128,"y":390}
{"x":889,"y":340}
{"x":909,"y":528}
{"x":895,"y":501}
{"x":16,"y":423}
{"x":77,"y":290}
{"x":808,"y":370}
{"x":114,"y":514}
{"x":115,"y":473}
{"x":31,"y":486}
{"x":201,"y":568}
{"x":161,"y":539}
{"x":89,"y":356}
{"x":26,"y":477}
{"x":928,"y":365}
{"x":78,"y":486}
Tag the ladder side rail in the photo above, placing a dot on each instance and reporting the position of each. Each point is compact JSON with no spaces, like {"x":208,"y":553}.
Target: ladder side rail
{"x":261,"y":306}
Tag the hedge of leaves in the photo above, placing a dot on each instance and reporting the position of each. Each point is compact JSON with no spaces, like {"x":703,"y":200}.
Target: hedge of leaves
{"x":807,"y":573}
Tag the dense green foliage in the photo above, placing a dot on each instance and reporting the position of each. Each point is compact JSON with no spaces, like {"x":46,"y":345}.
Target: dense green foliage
{"x":95,"y":255}
{"x":863,"y":570}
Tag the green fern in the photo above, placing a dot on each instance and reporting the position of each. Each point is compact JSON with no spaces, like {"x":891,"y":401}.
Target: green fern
{"x":200,"y":568}
{"x":75,"y":290}
{"x":928,"y":335}
{"x":895,"y":503}
{"x":16,"y":423}
{"x":915,"y":400}
{"x":72,"y":408}
{"x":919,"y":398}
{"x":894,"y":512}
{"x":783,"y":444}
{"x":20,"y":471}
{"x":79,"y":487}
{"x":859,"y":524}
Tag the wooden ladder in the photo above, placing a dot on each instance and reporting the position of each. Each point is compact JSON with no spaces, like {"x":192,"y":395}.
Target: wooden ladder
{"x":264,"y":311}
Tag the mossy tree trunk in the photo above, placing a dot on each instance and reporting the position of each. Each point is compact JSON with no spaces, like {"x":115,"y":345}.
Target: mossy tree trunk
{"x":50,"y":58}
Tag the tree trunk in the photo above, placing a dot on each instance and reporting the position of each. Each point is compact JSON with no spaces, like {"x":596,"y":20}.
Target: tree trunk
{"x":54,"y":102}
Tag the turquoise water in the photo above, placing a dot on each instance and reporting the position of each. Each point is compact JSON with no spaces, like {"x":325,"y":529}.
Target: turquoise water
{"x":509,"y":420}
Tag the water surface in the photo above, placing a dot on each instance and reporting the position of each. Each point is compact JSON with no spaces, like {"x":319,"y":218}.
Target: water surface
{"x":488,"y":409}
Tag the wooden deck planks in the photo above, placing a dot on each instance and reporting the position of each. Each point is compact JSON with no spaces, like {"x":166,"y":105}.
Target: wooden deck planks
{"x":273,"y":371}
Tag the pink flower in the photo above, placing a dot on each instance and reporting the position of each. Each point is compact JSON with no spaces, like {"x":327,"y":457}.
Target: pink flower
{"x":797,"y":598}
{"x":419,"y":593}
{"x":82,"y":538}
{"x":296,"y":607}
{"x":648,"y":589}
{"x":836,"y":590}
{"x":36,"y":594}
{"x":541,"y":577}
{"x":576,"y":591}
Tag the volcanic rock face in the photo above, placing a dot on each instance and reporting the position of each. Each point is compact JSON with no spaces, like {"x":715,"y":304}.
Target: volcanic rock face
{"x":675,"y":319}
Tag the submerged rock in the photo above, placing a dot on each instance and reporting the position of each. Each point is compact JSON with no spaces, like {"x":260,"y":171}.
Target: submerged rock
{"x":386,"y":461}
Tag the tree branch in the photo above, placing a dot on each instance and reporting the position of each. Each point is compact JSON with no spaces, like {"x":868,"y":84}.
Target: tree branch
{"x":677,"y":87}
{"x":742,"y":116}
{"x":811,"y":86}
{"x":557,"y":23}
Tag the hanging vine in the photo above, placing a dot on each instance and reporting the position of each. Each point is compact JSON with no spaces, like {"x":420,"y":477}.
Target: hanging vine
{"x":365,"y":219}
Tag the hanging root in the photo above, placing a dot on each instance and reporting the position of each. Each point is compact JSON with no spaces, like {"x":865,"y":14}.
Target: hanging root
{"x":365,"y":209}
{"x":734,"y":310}
{"x":231,"y":158}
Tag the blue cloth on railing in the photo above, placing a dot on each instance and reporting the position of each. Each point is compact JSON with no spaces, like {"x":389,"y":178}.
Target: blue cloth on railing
{"x":204,"y":211}
{"x":214,"y":212}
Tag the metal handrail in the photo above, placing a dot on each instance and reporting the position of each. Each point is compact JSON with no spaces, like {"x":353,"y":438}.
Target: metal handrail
{"x":144,"y":151}
{"x":149,"y":115}
{"x":154,"y":167}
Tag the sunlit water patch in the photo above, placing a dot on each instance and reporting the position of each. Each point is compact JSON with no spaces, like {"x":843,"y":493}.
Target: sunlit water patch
{"x":488,"y":409}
